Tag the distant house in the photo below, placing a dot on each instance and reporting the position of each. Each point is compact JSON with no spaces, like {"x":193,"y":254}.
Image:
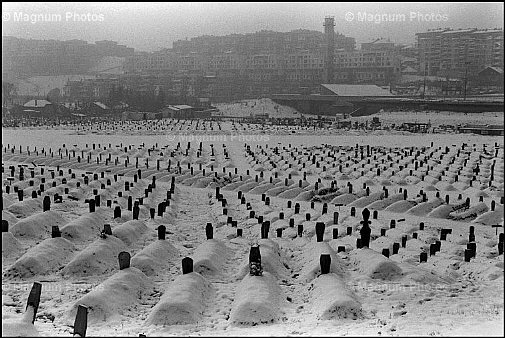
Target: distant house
{"x":347,"y":90}
{"x":39,"y":107}
{"x":409,"y":70}
{"x":36,"y":104}
{"x":184,"y":111}
{"x":491,"y":76}
{"x":181,"y":111}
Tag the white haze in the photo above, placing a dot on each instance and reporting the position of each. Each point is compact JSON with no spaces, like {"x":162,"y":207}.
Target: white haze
{"x":152,"y":26}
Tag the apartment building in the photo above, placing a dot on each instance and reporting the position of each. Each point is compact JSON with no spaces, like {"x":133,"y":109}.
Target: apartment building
{"x":29,"y":57}
{"x":459,"y":53}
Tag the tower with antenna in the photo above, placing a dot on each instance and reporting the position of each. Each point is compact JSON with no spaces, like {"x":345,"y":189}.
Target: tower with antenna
{"x":329,"y":38}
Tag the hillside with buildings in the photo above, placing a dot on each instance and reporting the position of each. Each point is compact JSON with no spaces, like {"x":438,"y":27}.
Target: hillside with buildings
{"x":222,"y":69}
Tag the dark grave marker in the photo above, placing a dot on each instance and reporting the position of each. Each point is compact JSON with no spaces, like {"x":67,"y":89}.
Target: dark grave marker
{"x":396,"y":247}
{"x":91,"y":204}
{"x":34,"y":299}
{"x":124,"y":260}
{"x":46,"y":204}
{"x":279,"y":232}
{"x":335,"y":217}
{"x":107,"y":230}
{"x":433,"y":249}
{"x":325,"y":263}
{"x":187,"y":265}
{"x":81,"y":321}
{"x":319,"y":231}
{"x":136,"y":211}
{"x":55,"y":231}
{"x":209,"y":231}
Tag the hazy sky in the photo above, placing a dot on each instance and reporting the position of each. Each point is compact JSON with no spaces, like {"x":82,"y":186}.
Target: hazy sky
{"x":152,"y":26}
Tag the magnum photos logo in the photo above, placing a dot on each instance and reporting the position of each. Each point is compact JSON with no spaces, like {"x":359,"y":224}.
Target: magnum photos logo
{"x":379,"y":18}
{"x":34,"y":18}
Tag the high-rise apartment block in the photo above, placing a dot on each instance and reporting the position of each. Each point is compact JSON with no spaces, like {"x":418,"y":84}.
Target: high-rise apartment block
{"x":459,"y":53}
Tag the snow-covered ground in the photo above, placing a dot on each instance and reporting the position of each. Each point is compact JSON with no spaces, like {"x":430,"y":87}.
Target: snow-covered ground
{"x":435,"y":118}
{"x":365,"y":293}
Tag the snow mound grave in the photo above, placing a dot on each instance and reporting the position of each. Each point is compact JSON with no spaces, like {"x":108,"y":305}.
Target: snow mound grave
{"x":400,"y":207}
{"x":490,"y":217}
{"x":47,"y":256}
{"x":474,"y":211}
{"x":331,"y":298}
{"x":442,"y":211}
{"x":155,"y":257}
{"x":270,"y":260}
{"x":97,"y":258}
{"x":26,"y":207}
{"x":8,"y":201}
{"x":129,"y":232}
{"x":10,"y":245}
{"x":311,"y":256}
{"x":210,"y":256}
{"x":384,"y":203}
{"x":38,"y":225}
{"x":258,"y":300}
{"x":305,"y":196}
{"x":9,"y":217}
{"x":344,"y":199}
{"x":425,"y":208}
{"x":366,"y":200}
{"x":85,"y":227}
{"x":374,"y":264}
{"x":116,"y":294}
{"x":183,"y":302}
{"x":291,"y":193}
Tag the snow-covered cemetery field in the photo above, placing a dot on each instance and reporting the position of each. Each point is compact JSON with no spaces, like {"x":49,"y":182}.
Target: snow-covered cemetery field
{"x":205,"y":228}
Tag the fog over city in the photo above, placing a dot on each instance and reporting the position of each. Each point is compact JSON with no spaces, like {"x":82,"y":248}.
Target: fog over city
{"x":153,"y":26}
{"x":253,"y":169}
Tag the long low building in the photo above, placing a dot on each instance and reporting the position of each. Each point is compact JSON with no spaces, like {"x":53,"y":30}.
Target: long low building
{"x":482,"y":129}
{"x":184,"y":111}
{"x":138,"y":116}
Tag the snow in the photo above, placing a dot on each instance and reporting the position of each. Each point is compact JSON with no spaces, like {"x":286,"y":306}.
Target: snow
{"x":97,"y":258}
{"x":210,"y":257}
{"x":26,"y":207}
{"x":378,"y":295}
{"x":130,"y":232}
{"x":20,"y":328}
{"x":374,"y":264}
{"x":85,"y":227}
{"x":114,"y":295}
{"x":38,"y":225}
{"x":310,"y":260}
{"x":155,"y":257}
{"x":259,"y":299}
{"x":46,"y":256}
{"x":10,"y":245}
{"x":183,"y":302}
{"x":331,"y":298}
